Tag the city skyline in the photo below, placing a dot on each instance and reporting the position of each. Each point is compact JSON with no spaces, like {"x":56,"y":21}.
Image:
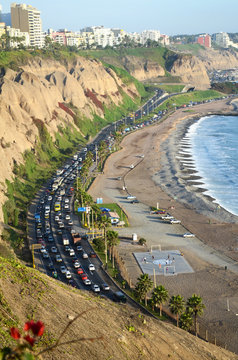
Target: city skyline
{"x":171,"y":18}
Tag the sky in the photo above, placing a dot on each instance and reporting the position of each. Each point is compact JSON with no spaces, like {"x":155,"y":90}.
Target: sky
{"x":171,"y":17}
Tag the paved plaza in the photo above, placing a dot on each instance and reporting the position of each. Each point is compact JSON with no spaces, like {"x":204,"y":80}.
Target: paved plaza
{"x":166,"y":262}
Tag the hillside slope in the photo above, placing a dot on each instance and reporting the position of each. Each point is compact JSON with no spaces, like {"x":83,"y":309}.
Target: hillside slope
{"x":125,"y":333}
{"x":32,"y":100}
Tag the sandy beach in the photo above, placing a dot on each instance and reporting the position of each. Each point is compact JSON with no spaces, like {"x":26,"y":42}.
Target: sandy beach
{"x":160,"y":178}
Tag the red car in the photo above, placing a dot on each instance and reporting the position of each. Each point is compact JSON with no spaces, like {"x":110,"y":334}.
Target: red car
{"x":92,"y":254}
{"x":83,"y":276}
{"x":80,"y":270}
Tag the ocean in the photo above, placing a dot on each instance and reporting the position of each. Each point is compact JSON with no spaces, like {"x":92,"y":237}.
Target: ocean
{"x":213,"y":144}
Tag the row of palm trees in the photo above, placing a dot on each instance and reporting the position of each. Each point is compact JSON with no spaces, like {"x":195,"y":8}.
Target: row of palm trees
{"x":184,"y":311}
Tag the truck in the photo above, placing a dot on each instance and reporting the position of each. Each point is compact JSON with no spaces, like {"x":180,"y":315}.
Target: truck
{"x":76,"y":237}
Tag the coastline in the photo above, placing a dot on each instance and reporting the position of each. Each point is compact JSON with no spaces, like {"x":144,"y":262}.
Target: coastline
{"x":154,"y":181}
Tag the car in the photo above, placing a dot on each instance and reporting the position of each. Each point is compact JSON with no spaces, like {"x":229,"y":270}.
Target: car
{"x":130,"y":197}
{"x":92,"y":254}
{"x":57,"y":218}
{"x":51,"y":266}
{"x":67,"y":248}
{"x":167,"y":217}
{"x":175,"y":221}
{"x":50,"y":198}
{"x":61,"y":225}
{"x":45,"y":255}
{"x":135,"y":201}
{"x":54,"y":249}
{"x":66,"y":200}
{"x":58,"y":258}
{"x":87,"y":282}
{"x":95,"y":288}
{"x":68,"y":274}
{"x":118,"y":296}
{"x":71,"y":282}
{"x":83,"y":276}
{"x":63,"y":269}
{"x":59,"y":232}
{"x":67,"y":217}
{"x":85,"y":255}
{"x":74,"y":258}
{"x":71,"y":252}
{"x":80,"y":271}
{"x":43,"y":249}
{"x":91,"y":267}
{"x":79,"y":248}
{"x":70,"y":222}
{"x":76,"y":264}
{"x":188,"y":235}
{"x":105,"y":287}
{"x":50,"y":238}
{"x":66,"y":206}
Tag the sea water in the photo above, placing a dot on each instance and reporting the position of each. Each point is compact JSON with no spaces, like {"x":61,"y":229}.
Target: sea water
{"x":214,"y":149}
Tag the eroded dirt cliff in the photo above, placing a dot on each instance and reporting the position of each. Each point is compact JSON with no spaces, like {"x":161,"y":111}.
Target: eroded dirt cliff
{"x":35,"y":92}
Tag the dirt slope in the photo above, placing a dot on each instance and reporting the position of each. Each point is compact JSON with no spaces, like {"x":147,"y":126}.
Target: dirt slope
{"x":125,"y":334}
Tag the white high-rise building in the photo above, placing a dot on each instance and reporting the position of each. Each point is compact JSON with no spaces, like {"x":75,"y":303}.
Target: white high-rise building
{"x":223,"y":40}
{"x":153,"y":35}
{"x":26,"y":18}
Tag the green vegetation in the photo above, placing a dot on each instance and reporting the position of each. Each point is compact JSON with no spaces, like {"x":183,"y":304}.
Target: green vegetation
{"x":191,"y":48}
{"x":185,"y":99}
{"x":171,"y":88}
{"x":226,"y":87}
{"x":116,"y":208}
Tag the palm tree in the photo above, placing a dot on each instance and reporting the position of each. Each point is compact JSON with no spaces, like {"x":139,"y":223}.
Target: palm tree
{"x":186,"y":321}
{"x":113,"y":240}
{"x":143,"y":286}
{"x":177,"y":305}
{"x":195,"y":304}
{"x":104,"y":223}
{"x":159,"y":296}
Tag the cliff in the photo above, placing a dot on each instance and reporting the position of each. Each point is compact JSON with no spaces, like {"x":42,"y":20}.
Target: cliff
{"x":34,"y":93}
{"x":219,"y":59}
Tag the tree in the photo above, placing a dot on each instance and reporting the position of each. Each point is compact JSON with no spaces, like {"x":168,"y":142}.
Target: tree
{"x":159,"y":296}
{"x":104,"y":223}
{"x":142,"y":241}
{"x":186,"y":321}
{"x":112,"y":240}
{"x":194,"y":303}
{"x":143,"y":286}
{"x":177,"y":305}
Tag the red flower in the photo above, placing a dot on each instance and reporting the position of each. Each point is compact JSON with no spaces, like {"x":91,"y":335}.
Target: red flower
{"x":29,"y":339}
{"x":28,"y":325}
{"x":37,"y":328}
{"x":15,"y":333}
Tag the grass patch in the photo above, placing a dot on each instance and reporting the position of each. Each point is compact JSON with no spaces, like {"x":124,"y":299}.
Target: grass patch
{"x":185,"y":99}
{"x":171,"y":88}
{"x":116,"y":208}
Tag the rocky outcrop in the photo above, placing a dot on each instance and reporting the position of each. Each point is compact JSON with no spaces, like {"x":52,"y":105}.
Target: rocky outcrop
{"x":191,"y":70}
{"x":142,"y":69}
{"x":219,"y":59}
{"x":35,"y":92}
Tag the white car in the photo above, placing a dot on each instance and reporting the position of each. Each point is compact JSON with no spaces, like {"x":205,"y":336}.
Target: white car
{"x":66,"y":206}
{"x":167,"y":217}
{"x":188,"y":235}
{"x":175,"y":221}
{"x":66,"y":200}
{"x":85,"y":255}
{"x":54,"y":249}
{"x":76,"y":264}
{"x":87,"y":282}
{"x":95,"y":288}
{"x":91,"y":267}
{"x":68,"y":274}
{"x":63,"y":269}
{"x":67,"y":217}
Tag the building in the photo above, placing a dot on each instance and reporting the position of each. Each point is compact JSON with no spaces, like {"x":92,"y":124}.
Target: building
{"x":222,"y":39}
{"x":153,"y":35}
{"x":2,"y":28}
{"x":204,"y":40}
{"x":26,"y":18}
{"x":17,"y":37}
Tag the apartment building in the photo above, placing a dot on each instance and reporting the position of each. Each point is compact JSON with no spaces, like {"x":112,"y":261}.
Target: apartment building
{"x":17,"y":37}
{"x":204,"y":40}
{"x":26,"y":18}
{"x":222,"y":39}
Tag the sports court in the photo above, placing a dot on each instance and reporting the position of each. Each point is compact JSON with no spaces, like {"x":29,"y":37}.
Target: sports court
{"x":165,"y":262}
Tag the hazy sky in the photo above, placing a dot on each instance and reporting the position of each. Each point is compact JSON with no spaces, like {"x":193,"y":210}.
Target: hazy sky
{"x":169,"y":16}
